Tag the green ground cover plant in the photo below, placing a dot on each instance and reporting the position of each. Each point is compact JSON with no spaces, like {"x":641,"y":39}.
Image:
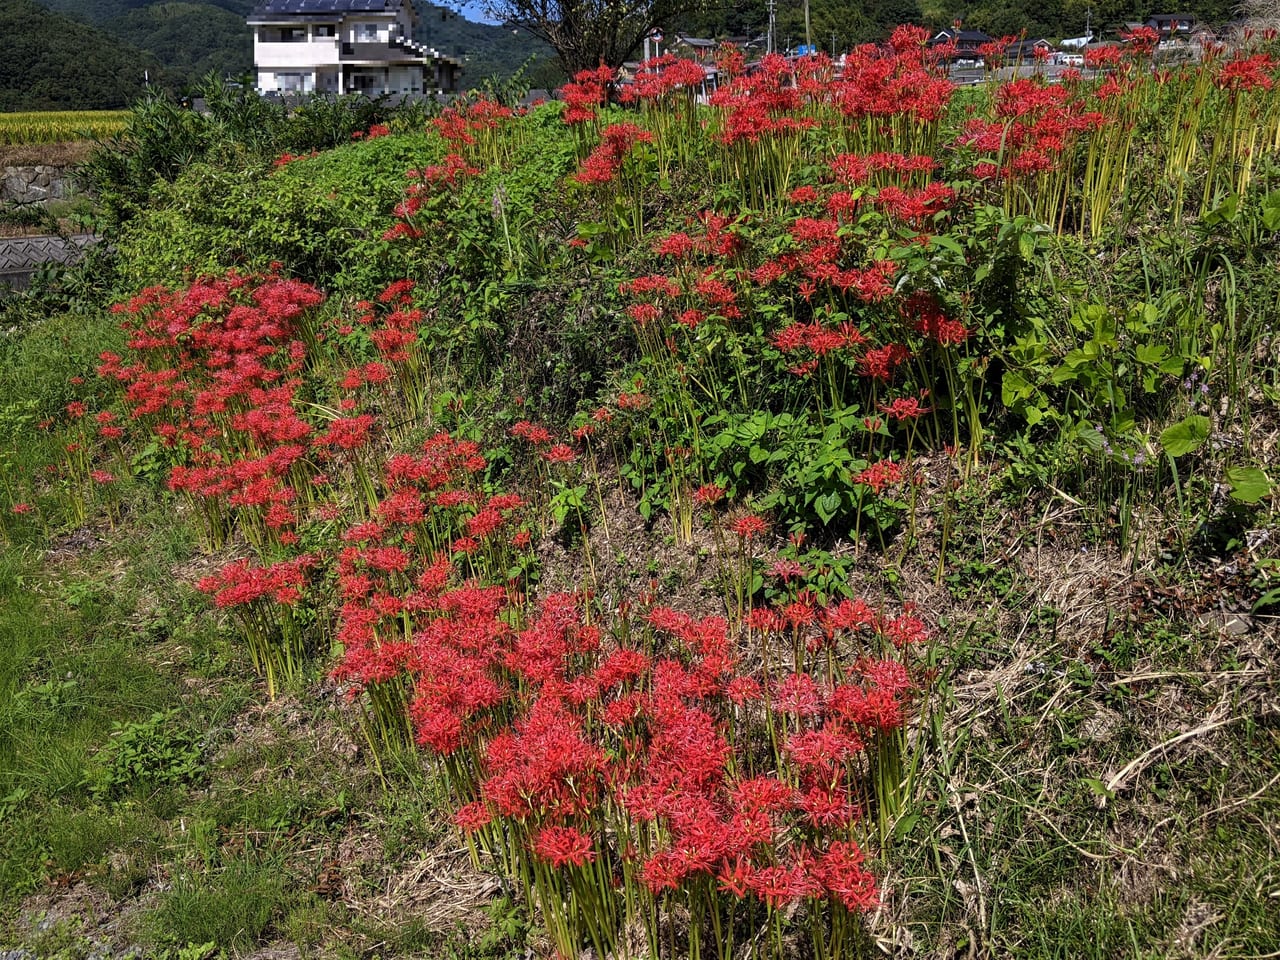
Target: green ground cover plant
{"x":838,"y":518}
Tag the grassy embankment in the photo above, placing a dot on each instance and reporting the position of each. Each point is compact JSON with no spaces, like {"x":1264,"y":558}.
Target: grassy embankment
{"x":1073,"y":489}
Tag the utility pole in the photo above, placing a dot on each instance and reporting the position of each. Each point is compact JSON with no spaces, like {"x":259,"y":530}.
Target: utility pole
{"x":833,"y":46}
{"x":772,"y":7}
{"x":808,"y":40}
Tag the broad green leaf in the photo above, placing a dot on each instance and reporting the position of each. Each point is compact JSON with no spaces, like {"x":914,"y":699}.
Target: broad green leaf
{"x":1224,"y":212}
{"x":1093,"y":438}
{"x":905,"y":825}
{"x":1014,"y":387}
{"x":1069,"y":370}
{"x":1248,"y":484}
{"x":947,"y":243}
{"x":1151,"y":353}
{"x":827,"y":506}
{"x":1271,"y":211}
{"x":1185,"y":436}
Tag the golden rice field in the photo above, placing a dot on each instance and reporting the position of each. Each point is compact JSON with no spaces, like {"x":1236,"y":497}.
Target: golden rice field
{"x":59,"y":126}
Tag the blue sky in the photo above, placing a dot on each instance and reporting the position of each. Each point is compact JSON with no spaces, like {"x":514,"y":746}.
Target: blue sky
{"x":473,"y":11}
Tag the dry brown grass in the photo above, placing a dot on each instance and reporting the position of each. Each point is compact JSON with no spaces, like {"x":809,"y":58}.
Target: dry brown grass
{"x":46,"y":154}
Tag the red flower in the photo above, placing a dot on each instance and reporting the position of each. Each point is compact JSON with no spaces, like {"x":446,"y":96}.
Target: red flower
{"x":564,"y":846}
{"x":880,"y":475}
{"x":749,"y":526}
{"x":708,"y":494}
{"x":560,"y":453}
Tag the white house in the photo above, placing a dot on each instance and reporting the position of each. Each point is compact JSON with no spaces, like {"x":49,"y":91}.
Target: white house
{"x":345,"y":46}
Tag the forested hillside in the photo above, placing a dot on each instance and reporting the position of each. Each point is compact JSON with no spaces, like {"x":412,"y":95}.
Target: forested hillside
{"x":53,"y":62}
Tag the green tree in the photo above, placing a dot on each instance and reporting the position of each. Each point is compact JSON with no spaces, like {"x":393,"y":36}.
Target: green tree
{"x":51,"y":62}
{"x":587,"y":33}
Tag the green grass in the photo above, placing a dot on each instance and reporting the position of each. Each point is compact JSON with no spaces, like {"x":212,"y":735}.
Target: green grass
{"x":1017,"y":847}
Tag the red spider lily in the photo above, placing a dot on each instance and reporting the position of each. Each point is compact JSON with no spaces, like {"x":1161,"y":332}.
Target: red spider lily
{"x":587,"y":91}
{"x":841,"y":872}
{"x":1247,"y":73}
{"x":348,"y":433}
{"x":240,"y":583}
{"x":678,"y":245}
{"x":560,"y":453}
{"x":905,"y":408}
{"x":531,"y":432}
{"x":787,"y":570}
{"x":563,"y":846}
{"x":545,"y":768}
{"x":879,"y":475}
{"x":797,"y":694}
{"x":1141,"y":40}
{"x":473,"y":816}
{"x":927,"y":316}
{"x":659,"y":76}
{"x":720,"y":297}
{"x":779,"y":886}
{"x":879,"y":363}
{"x":905,"y":630}
{"x":708,"y":494}
{"x":829,"y":809}
{"x":749,"y":526}
{"x":652,"y":284}
{"x":1100,"y":58}
{"x":605,"y":161}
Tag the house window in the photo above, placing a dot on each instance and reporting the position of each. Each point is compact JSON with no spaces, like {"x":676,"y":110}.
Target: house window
{"x":289,"y":82}
{"x":325,"y":30}
{"x":366,"y":33}
{"x":293,"y":34}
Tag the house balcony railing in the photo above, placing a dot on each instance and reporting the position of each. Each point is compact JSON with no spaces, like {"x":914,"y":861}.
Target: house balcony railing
{"x":378,"y":53}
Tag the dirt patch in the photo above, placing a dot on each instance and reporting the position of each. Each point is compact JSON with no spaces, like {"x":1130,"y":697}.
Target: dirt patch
{"x":46,"y":154}
{"x":77,"y":910}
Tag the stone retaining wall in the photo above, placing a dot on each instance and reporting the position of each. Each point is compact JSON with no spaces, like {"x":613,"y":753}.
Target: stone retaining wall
{"x":35,"y":184}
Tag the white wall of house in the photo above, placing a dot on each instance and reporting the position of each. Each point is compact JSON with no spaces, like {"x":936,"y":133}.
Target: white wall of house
{"x":317,"y":51}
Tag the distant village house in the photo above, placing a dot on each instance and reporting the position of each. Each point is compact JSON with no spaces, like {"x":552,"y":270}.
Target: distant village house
{"x":345,"y":46}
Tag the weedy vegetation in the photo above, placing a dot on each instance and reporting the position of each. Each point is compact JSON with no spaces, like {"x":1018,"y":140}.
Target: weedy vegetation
{"x":837,"y":519}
